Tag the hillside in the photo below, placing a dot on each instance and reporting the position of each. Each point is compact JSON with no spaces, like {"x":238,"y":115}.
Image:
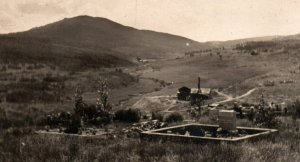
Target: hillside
{"x":101,"y":32}
{"x":85,"y":41}
{"x":274,"y":38}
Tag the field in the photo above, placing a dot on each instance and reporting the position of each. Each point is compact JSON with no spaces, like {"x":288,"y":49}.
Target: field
{"x":41,"y":69}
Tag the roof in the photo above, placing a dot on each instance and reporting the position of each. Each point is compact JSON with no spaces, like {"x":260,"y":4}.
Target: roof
{"x":214,"y":105}
{"x":206,"y":91}
{"x":184,"y":89}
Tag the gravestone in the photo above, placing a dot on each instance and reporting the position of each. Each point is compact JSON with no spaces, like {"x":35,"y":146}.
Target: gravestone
{"x":227,"y":119}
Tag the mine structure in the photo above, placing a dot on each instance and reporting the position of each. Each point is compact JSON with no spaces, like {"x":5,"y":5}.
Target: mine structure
{"x":194,"y":94}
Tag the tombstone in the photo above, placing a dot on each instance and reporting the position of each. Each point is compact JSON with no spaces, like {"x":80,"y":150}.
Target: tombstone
{"x":227,"y":119}
{"x":213,"y":114}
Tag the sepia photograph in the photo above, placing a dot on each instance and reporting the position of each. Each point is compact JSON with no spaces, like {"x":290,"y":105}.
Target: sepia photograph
{"x":149,"y":81}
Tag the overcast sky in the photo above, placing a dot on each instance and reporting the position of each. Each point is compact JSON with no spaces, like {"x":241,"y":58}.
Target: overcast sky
{"x":201,"y":20}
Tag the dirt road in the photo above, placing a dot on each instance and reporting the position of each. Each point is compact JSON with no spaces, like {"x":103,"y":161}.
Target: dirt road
{"x":229,"y":98}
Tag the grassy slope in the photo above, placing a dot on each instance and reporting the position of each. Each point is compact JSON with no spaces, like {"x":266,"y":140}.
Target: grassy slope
{"x":18,"y":49}
{"x":235,"y":69}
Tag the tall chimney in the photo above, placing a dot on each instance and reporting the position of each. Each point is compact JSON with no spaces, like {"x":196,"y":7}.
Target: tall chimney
{"x":199,"y":85}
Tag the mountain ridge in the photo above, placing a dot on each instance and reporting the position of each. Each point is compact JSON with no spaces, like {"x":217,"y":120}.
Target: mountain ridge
{"x":97,"y":40}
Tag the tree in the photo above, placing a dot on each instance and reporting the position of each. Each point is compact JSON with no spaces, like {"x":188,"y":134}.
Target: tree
{"x":85,"y":114}
{"x":102,"y":100}
{"x":199,"y":102}
{"x":102,"y":104}
{"x":79,"y":104}
{"x":99,"y":113}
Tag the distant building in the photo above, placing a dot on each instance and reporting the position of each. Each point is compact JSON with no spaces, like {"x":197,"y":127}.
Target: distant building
{"x":200,"y":95}
{"x":194,"y":94}
{"x":204,"y":93}
{"x":184,"y":93}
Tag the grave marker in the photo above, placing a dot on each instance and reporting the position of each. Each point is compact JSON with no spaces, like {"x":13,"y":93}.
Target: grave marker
{"x":227,"y":119}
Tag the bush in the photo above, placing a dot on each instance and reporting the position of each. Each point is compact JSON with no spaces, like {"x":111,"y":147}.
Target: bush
{"x":157,"y":116}
{"x":295,"y":109}
{"x":74,"y":125}
{"x":174,"y":117}
{"x":129,"y":115}
{"x":266,"y":118}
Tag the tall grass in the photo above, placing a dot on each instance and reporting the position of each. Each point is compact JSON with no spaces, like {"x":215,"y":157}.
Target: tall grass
{"x":19,"y":145}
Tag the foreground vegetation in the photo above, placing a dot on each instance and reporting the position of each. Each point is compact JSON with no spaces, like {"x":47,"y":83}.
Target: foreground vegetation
{"x":23,"y":145}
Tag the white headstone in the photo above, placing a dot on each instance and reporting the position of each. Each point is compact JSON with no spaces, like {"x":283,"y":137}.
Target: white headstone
{"x":227,"y":119}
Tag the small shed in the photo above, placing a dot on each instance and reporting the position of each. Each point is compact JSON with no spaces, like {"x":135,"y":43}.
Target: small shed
{"x":184,"y":93}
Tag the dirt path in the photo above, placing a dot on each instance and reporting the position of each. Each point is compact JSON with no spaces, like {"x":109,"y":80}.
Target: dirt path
{"x":229,"y":98}
{"x":170,"y":111}
{"x":223,"y":94}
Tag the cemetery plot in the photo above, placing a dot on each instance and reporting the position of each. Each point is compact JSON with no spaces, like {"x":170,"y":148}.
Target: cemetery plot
{"x":201,"y":133}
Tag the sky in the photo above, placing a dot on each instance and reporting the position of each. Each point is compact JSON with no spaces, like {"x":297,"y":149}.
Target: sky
{"x":201,"y":20}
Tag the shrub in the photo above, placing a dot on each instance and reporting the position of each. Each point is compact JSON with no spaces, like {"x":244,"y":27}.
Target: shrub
{"x":174,"y":117}
{"x":266,"y":118}
{"x":297,"y":108}
{"x":294,"y":109}
{"x":129,"y":115}
{"x":74,"y":125}
{"x":157,"y":116}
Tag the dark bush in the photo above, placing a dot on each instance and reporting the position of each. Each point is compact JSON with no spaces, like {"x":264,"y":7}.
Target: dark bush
{"x":295,"y":109}
{"x":254,"y":53}
{"x":157,"y":116}
{"x":245,"y":104}
{"x":129,"y":115}
{"x":266,"y":118}
{"x":238,"y":110}
{"x":174,"y":117}
{"x":195,"y":131}
{"x":74,"y":125}
{"x":90,"y":111}
{"x":58,"y":119}
{"x":251,"y":115}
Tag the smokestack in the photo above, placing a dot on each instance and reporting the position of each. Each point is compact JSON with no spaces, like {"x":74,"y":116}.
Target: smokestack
{"x":199,"y":85}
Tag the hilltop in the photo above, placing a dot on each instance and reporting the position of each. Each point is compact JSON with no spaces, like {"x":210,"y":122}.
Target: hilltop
{"x":86,"y":41}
